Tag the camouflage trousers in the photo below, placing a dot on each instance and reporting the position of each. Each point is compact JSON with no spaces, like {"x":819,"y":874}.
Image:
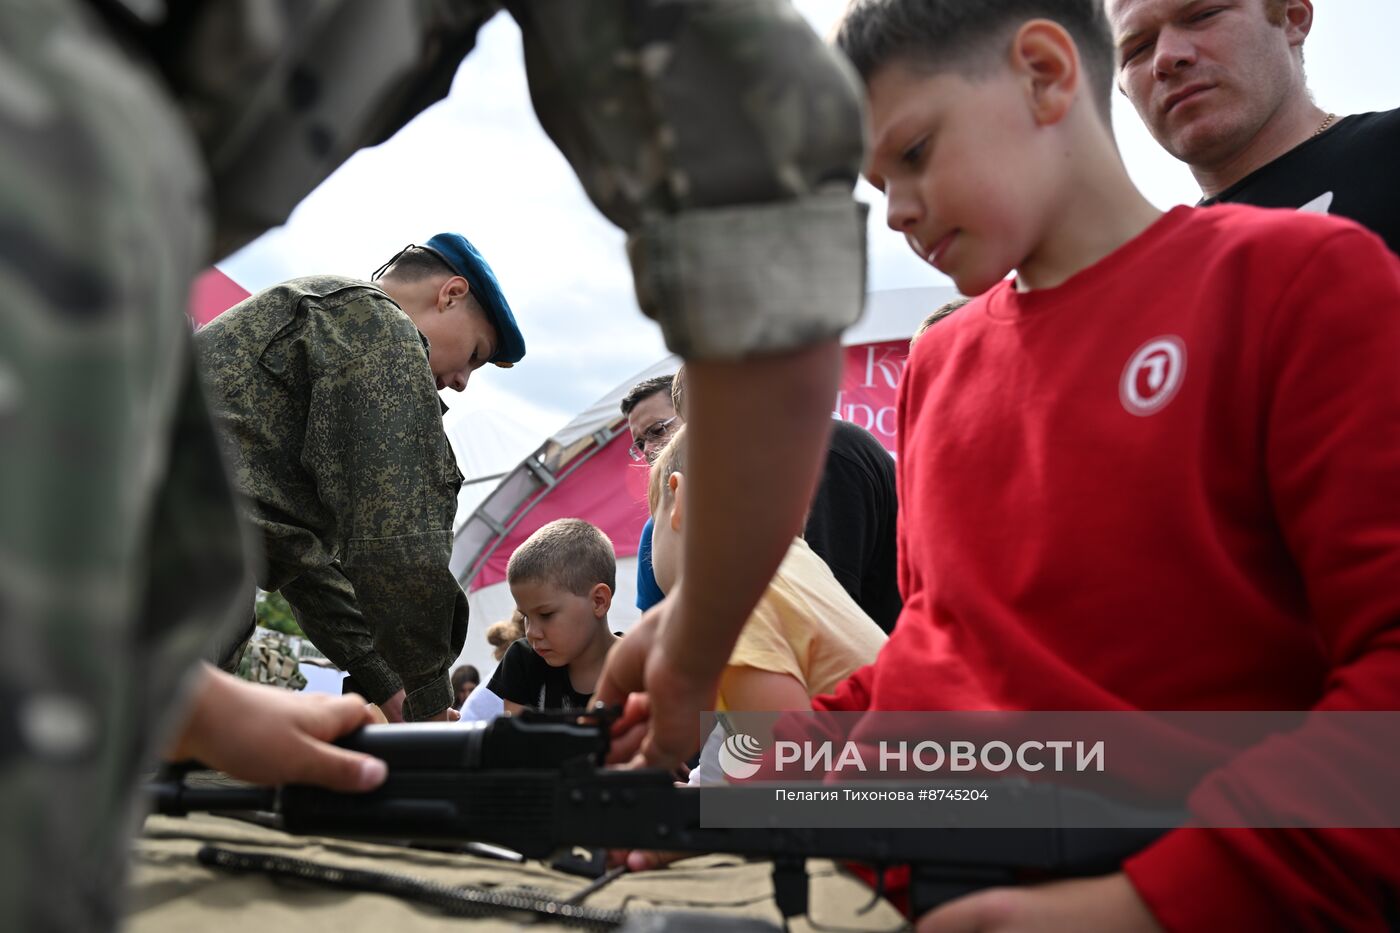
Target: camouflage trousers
{"x":120,"y":554}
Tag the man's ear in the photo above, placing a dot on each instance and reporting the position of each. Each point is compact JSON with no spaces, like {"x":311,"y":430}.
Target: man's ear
{"x":676,"y":481}
{"x":454,"y":290}
{"x":1297,"y":21}
{"x":601,"y":596}
{"x":1044,"y":55}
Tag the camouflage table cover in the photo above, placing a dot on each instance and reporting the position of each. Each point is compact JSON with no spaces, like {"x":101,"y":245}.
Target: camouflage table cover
{"x":172,"y":893}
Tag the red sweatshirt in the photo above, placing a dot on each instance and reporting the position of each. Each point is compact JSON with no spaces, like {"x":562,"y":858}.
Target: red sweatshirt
{"x":1171,"y":483}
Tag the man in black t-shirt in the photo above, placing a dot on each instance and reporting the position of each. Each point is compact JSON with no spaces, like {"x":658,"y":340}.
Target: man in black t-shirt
{"x":851,"y":524}
{"x":1223,"y":90}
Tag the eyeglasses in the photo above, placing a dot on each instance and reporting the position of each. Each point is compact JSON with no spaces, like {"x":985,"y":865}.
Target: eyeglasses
{"x":651,"y":437}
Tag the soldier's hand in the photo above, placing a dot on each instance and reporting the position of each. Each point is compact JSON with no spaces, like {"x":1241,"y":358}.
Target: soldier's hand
{"x":662,"y":699}
{"x":272,"y":736}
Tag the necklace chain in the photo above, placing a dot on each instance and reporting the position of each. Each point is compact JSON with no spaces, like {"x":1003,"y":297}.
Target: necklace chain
{"x":1325,"y":123}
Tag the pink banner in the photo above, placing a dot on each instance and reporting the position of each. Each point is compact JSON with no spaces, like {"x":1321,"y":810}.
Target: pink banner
{"x":213,"y":294}
{"x":609,"y":490}
{"x":868,"y":387}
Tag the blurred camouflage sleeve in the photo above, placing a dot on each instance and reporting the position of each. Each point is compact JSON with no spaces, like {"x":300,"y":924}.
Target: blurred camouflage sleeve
{"x":374,"y":439}
{"x":120,"y":554}
{"x":725,"y":138}
{"x":279,"y":93}
{"x":323,"y":602}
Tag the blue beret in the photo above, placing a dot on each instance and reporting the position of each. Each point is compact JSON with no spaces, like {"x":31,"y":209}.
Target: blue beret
{"x":458,"y":253}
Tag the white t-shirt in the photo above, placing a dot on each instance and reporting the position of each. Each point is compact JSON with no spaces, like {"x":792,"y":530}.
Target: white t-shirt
{"x":482,"y":705}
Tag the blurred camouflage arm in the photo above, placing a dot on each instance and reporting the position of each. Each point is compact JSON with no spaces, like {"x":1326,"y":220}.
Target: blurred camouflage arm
{"x":713,"y":132}
{"x":725,"y":138}
{"x":323,"y":602}
{"x":375,"y":439}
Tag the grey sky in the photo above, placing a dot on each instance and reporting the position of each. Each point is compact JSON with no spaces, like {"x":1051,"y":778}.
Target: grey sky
{"x":478,"y":163}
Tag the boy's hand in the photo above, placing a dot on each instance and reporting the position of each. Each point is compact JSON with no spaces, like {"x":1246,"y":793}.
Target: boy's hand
{"x":392,"y":708}
{"x":272,"y":736}
{"x":662,"y":700}
{"x":1109,"y":904}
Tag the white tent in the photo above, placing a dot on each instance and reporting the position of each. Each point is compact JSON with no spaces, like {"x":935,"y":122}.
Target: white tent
{"x":583,"y":470}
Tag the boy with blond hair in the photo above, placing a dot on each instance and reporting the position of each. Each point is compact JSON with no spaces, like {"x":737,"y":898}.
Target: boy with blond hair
{"x":805,"y":634}
{"x":562,"y":579}
{"x":1157,"y":470}
{"x":803,"y":637}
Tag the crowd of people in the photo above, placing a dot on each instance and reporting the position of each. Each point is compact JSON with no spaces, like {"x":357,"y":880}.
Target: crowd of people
{"x":1153,"y":462}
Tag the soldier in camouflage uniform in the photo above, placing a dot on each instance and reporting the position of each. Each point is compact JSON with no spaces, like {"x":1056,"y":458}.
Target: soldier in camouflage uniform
{"x":326,"y":390}
{"x":719,"y":133}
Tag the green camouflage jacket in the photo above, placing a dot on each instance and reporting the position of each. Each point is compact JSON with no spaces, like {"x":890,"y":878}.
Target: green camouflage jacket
{"x":333,"y":424}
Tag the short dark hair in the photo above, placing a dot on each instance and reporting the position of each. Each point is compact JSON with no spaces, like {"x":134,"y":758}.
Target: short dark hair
{"x":645,"y":390}
{"x":951,"y":35}
{"x":413,"y":264}
{"x":466,"y":674}
{"x":568,"y":553}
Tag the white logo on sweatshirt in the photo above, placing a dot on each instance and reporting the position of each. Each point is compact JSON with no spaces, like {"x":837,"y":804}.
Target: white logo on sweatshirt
{"x":1152,"y":376}
{"x":1318,"y":205}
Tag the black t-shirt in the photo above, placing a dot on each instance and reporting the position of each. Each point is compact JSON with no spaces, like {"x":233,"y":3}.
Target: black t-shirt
{"x":1352,"y":170}
{"x":852,"y":522}
{"x":523,"y":677}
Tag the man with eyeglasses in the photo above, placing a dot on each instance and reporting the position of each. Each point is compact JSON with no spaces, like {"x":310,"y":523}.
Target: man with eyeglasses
{"x":651,"y":420}
{"x":850,"y":524}
{"x":326,"y":388}
{"x":646,"y":444}
{"x":651,"y":417}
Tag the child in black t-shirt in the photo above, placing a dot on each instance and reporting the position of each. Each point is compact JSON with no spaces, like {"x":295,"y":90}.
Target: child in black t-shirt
{"x":562,"y":579}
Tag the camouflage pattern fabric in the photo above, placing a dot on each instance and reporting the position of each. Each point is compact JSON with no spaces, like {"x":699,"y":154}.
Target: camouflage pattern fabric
{"x":322,"y":389}
{"x":120,"y":556}
{"x":713,"y":131}
{"x":269,"y":659}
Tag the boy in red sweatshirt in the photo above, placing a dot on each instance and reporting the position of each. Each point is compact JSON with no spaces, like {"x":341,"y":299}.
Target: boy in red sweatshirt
{"x":1158,"y":469}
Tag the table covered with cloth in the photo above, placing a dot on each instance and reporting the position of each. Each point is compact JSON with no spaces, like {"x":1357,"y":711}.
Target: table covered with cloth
{"x":171,"y":891}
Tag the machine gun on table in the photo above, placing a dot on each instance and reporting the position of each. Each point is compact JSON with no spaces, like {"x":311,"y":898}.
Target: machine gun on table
{"x":535,"y":783}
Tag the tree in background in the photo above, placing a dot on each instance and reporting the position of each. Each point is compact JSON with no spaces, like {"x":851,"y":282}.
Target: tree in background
{"x":270,"y":656}
{"x":273,"y":612}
